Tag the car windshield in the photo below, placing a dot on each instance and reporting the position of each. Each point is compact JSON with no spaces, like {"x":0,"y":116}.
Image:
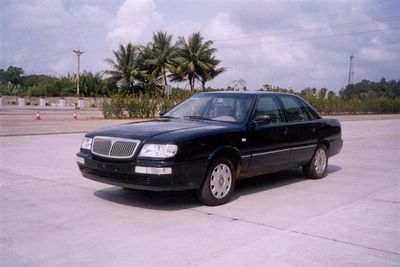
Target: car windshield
{"x":218,"y":107}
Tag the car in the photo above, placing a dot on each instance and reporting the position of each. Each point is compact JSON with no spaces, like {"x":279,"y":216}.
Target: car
{"x":210,"y":141}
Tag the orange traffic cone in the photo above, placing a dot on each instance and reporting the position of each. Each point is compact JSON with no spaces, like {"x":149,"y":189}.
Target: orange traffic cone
{"x":75,"y":117}
{"x":37,"y":116}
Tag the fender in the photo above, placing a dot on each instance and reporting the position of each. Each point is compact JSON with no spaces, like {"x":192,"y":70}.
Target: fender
{"x":230,"y":152}
{"x":225,"y":150}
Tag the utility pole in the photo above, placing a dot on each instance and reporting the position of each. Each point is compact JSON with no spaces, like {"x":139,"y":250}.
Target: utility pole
{"x":351,"y":72}
{"x":78,"y":53}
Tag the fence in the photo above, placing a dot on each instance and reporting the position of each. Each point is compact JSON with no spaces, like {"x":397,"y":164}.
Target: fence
{"x":56,"y":102}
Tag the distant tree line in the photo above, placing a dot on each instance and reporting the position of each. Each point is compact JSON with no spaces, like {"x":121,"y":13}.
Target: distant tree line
{"x":361,"y":98}
{"x":12,"y":82}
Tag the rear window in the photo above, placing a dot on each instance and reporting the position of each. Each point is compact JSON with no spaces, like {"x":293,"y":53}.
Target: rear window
{"x":311,"y":113}
{"x":294,"y":109}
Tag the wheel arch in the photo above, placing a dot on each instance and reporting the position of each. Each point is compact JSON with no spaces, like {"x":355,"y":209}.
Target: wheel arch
{"x":326,"y":143}
{"x":229,"y":152}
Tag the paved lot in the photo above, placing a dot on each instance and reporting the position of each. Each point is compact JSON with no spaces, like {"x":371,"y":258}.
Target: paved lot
{"x":21,"y":121}
{"x":52,"y":216}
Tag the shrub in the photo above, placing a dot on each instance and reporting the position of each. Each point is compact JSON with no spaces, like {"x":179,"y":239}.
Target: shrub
{"x":143,"y":105}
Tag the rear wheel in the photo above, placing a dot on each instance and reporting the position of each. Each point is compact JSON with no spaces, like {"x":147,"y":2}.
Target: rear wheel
{"x":218,"y":184}
{"x":318,"y":166}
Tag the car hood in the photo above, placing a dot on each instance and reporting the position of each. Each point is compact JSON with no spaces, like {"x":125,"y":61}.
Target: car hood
{"x":150,"y":129}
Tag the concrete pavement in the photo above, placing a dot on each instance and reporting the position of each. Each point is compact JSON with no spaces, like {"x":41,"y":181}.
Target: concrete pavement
{"x":52,"y":216}
{"x":21,"y":121}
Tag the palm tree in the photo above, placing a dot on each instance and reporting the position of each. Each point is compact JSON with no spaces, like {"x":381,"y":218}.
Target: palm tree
{"x":125,"y":66}
{"x":195,"y":59}
{"x":212,"y":72}
{"x":162,"y":56}
{"x":146,"y":77}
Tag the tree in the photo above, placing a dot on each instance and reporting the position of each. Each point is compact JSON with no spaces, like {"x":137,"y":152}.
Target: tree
{"x":32,"y":80}
{"x":12,"y":75}
{"x":125,"y":66}
{"x":92,"y":84}
{"x":237,"y":85}
{"x":194,"y":60}
{"x":161,"y":58}
{"x":211,"y":73}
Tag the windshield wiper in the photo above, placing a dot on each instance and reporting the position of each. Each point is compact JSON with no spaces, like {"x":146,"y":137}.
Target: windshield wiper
{"x":167,"y":117}
{"x":195,"y":117}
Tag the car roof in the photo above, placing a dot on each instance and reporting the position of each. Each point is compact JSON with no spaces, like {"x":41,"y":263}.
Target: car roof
{"x":246,"y":92}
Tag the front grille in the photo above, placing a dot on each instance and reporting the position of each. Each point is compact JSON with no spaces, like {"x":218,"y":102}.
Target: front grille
{"x":112,"y":147}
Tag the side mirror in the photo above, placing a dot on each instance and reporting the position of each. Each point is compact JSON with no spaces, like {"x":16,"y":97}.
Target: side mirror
{"x":263,"y":119}
{"x":162,"y":113}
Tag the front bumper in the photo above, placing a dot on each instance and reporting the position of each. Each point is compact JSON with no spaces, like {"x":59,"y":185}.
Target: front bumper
{"x":182,"y":176}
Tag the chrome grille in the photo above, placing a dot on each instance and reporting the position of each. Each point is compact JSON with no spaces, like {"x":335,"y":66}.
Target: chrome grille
{"x":112,"y":147}
{"x":101,"y":146}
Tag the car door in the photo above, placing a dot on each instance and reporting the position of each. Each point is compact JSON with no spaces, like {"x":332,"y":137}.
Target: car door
{"x":267,"y":138}
{"x":302,"y":130}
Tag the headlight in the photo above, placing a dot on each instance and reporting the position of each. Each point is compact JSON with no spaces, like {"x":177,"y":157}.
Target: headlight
{"x":158,"y":151}
{"x":87,"y":143}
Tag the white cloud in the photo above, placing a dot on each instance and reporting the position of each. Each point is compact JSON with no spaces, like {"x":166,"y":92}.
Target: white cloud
{"x":222,"y":27}
{"x":135,"y":22}
{"x":91,"y":15}
{"x":377,"y":54}
{"x":21,"y":53}
{"x":63,"y":65}
{"x":260,"y":58}
{"x":38,"y":13}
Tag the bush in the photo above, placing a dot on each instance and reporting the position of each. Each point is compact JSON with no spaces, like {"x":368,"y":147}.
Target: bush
{"x":143,"y":105}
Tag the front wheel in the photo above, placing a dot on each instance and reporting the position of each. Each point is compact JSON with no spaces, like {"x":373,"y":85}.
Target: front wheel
{"x":318,"y":166}
{"x":218,"y":184}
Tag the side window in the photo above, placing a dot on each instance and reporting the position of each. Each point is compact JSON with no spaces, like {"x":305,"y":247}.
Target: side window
{"x":267,"y":106}
{"x":311,"y":113}
{"x":294,"y":109}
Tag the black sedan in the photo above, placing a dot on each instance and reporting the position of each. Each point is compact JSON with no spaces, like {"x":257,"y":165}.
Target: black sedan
{"x":210,"y":141}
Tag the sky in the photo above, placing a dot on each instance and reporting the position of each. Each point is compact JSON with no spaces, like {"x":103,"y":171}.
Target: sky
{"x":290,"y":44}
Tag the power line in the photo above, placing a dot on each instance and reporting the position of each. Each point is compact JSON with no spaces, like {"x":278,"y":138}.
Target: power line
{"x":352,"y":24}
{"x":310,"y":38}
{"x":39,"y":58}
{"x":355,"y":23}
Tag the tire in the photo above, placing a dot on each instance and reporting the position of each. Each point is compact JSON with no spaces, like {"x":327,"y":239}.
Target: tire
{"x":218,"y":184}
{"x":318,"y":166}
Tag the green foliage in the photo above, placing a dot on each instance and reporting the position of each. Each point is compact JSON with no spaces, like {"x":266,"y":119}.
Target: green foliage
{"x":92,"y":84}
{"x":366,"y":88}
{"x":125,"y":67}
{"x":12,"y":75}
{"x":10,"y":81}
{"x":46,"y":87}
{"x":149,"y":67}
{"x":160,"y":55}
{"x":32,"y":80}
{"x":142,"y":105}
{"x":268,"y":87}
{"x":43,"y":85}
{"x":364,"y":97}
{"x":195,"y":61}
{"x":12,"y":89}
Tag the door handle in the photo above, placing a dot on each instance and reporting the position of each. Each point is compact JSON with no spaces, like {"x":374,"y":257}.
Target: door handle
{"x":285,"y":132}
